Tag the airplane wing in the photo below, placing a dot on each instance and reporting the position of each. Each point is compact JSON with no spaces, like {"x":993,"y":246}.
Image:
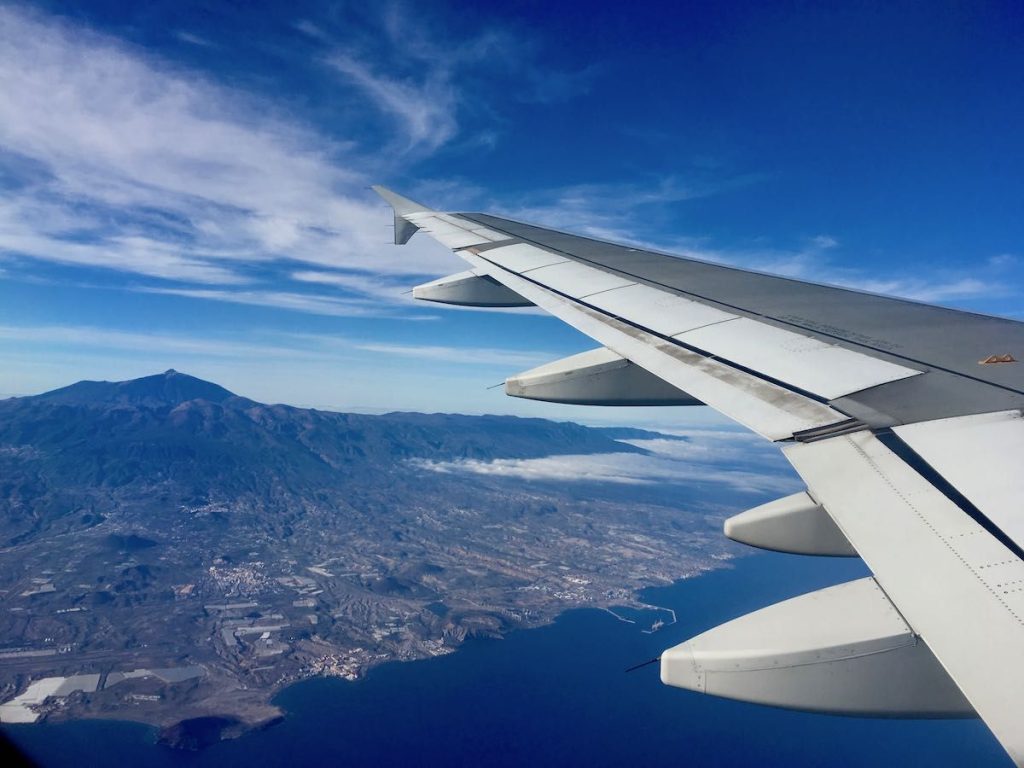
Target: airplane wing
{"x":902,"y":419}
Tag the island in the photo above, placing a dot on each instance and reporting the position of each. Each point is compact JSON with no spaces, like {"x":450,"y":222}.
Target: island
{"x":174,"y":554}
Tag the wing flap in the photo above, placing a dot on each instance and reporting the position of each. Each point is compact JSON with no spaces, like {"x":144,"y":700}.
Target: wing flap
{"x":521,"y":257}
{"x":664,"y":313}
{"x":810,"y":364}
{"x":577,"y":280}
{"x":933,"y":562}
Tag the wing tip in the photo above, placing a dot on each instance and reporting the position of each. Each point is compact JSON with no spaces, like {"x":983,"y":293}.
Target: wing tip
{"x":403,"y":206}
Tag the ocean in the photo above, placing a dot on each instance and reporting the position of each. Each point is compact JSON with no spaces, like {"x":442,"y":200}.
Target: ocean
{"x":557,"y":695}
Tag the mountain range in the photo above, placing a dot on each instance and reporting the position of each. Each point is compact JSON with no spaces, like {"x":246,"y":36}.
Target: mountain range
{"x":196,"y":551}
{"x":70,"y":455}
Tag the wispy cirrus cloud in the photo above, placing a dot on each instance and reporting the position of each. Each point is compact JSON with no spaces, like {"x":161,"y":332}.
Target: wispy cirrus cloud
{"x":611,"y":210}
{"x":193,"y":39}
{"x":385,"y":287}
{"x":39,"y":230}
{"x":159,"y":171}
{"x":426,"y":79}
{"x":617,"y":212}
{"x":815,"y":262}
{"x":261,"y":345}
{"x":205,"y":191}
{"x":425,"y":110}
{"x":938,"y":290}
{"x":299,"y":302}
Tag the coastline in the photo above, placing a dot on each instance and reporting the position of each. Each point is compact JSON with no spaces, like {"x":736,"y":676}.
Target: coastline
{"x":202,"y":726}
{"x":555,"y":695}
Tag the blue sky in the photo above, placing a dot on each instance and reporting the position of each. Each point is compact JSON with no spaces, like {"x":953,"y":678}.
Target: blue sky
{"x":183,"y":184}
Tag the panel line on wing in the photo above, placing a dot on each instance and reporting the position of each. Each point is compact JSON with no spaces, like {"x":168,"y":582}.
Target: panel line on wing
{"x":605,"y":290}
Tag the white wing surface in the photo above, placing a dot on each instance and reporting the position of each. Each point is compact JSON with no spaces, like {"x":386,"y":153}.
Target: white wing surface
{"x":903,"y":419}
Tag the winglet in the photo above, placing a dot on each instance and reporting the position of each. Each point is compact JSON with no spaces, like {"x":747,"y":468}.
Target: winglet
{"x":404,"y":229}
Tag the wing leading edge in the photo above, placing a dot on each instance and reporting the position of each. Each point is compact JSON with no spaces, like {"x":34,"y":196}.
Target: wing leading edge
{"x":903,"y":419}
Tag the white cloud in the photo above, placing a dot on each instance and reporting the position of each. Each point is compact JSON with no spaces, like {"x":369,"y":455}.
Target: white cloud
{"x":425,"y":110}
{"x":425,"y":79}
{"x":616,"y":212}
{"x":386,"y":287}
{"x":1003,"y":260}
{"x":35,"y":229}
{"x":715,"y":446}
{"x":299,"y":302}
{"x":610,"y":210}
{"x":155,"y":170}
{"x":137,"y":165}
{"x":739,"y":461}
{"x":925,"y":290}
{"x":622,"y":212}
{"x":192,"y":39}
{"x":814,"y":264}
{"x":307,"y":27}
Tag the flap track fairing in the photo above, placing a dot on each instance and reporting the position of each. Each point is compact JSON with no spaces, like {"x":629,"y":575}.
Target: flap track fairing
{"x":842,"y":650}
{"x":796,"y":524}
{"x":597,"y":377}
{"x":470,"y":289}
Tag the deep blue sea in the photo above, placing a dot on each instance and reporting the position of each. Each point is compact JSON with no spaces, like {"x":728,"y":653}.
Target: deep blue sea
{"x":553,"y":696}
